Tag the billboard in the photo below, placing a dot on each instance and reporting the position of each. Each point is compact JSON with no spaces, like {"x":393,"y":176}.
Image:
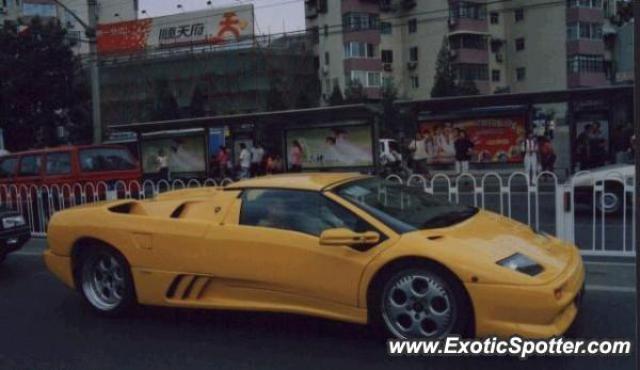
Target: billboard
{"x":496,"y":139}
{"x":345,"y":146}
{"x":185,"y":154}
{"x":212,"y":26}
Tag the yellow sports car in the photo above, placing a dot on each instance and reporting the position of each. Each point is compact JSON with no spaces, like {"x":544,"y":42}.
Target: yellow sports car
{"x":336,"y":245}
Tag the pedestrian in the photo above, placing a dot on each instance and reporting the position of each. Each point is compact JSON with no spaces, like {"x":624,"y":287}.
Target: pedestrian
{"x":463,"y":148}
{"x":418,"y":149}
{"x":162,"y":162}
{"x":245,"y":161}
{"x":582,"y":147}
{"x":530,"y":151}
{"x":597,"y":146}
{"x":547,"y":155}
{"x":223,"y":161}
{"x":257,"y":156}
{"x":274,"y":164}
{"x":296,"y":154}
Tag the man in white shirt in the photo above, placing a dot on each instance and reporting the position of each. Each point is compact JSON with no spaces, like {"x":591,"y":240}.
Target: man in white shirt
{"x":419,"y":156}
{"x":257,"y":154}
{"x":530,"y":150}
{"x":245,"y":161}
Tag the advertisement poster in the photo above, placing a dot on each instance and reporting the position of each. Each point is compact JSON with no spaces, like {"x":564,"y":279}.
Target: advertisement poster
{"x":496,"y":140}
{"x":185,"y":154}
{"x":348,"y":146}
{"x":212,"y":26}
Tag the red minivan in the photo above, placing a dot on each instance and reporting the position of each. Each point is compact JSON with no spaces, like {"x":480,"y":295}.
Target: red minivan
{"x":70,"y":165}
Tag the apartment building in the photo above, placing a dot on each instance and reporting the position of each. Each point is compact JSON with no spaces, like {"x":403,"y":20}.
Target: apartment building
{"x":507,"y":46}
{"x":21,"y":11}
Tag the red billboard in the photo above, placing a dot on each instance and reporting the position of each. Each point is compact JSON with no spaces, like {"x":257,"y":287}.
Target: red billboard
{"x":211,"y":26}
{"x":495,"y":139}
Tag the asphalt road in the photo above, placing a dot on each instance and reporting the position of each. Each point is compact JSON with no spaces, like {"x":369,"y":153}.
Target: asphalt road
{"x":44,"y":325}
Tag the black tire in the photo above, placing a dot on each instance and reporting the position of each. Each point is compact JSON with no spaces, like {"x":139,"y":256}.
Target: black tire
{"x":461,"y":319}
{"x":611,"y":200}
{"x":103,"y":278}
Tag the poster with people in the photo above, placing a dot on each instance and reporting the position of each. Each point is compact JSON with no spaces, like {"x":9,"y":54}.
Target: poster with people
{"x":184,"y":154}
{"x":496,"y":140}
{"x":348,"y":146}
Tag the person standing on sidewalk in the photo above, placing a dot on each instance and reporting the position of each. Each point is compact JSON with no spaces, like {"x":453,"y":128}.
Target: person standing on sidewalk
{"x":257,"y":155}
{"x":296,"y":155}
{"x":162,"y":161}
{"x":530,"y":151}
{"x":419,"y":154}
{"x":463,"y":148}
{"x":245,"y":161}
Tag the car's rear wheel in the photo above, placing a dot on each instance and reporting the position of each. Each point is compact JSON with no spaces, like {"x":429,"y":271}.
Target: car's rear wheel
{"x":105,"y":281}
{"x":421,"y":303}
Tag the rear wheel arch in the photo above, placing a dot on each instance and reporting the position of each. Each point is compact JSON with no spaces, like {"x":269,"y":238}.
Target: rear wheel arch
{"x":377,"y":281}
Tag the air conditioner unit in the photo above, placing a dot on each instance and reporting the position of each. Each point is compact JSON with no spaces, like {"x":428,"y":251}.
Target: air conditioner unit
{"x":412,"y":65}
{"x":325,"y":69}
{"x":387,"y":67}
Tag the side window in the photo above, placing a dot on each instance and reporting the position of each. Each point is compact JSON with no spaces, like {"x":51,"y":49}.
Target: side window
{"x":8,"y":167}
{"x":30,"y":165}
{"x":58,"y":163}
{"x":106,"y":159}
{"x":304,"y":211}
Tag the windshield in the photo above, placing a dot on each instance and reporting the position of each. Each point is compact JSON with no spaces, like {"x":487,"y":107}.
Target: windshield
{"x":403,"y":208}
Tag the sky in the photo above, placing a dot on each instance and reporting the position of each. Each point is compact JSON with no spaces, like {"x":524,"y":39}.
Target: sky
{"x":272,"y":16}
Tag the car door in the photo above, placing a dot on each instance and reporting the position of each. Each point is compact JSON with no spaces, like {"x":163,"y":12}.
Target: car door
{"x":274,"y":245}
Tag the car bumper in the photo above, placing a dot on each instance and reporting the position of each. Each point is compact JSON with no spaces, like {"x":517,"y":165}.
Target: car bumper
{"x":60,"y":266}
{"x":540,"y":311}
{"x":13,"y":239}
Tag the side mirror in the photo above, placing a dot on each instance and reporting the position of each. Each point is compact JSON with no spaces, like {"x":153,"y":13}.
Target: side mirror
{"x":343,"y":236}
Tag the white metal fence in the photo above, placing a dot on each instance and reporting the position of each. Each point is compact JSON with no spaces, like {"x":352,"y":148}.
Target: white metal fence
{"x":545,"y":204}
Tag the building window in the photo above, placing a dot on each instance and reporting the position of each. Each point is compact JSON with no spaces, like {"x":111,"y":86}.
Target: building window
{"x":469,"y":71}
{"x":467,"y":9}
{"x":585,"y":63}
{"x":519,"y":15}
{"x":413,"y":54}
{"x":386,"y":28}
{"x":387,"y":56}
{"x":415,"y":82}
{"x":597,"y":4}
{"x":413,"y":25}
{"x":495,"y":17}
{"x":360,"y":21}
{"x":366,"y":78}
{"x":326,"y":30}
{"x":584,"y":31}
{"x":520,"y":44}
{"x":355,"y":49}
{"x":468,"y":41}
{"x":326,"y":58}
{"x":521,"y":73}
{"x":495,"y":75}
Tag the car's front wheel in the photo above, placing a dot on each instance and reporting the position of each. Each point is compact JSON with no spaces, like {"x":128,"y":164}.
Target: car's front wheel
{"x":421,"y":303}
{"x":105,"y":281}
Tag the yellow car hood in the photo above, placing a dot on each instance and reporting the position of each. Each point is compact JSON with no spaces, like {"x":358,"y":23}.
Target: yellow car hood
{"x":479,"y":242}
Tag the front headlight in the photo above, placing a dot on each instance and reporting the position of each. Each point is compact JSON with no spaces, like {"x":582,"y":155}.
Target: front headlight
{"x":13,"y":221}
{"x":521,"y":263}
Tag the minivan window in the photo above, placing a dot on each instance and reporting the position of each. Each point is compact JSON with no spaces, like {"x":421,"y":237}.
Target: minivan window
{"x":58,"y":163}
{"x":106,"y":159}
{"x":30,"y":165}
{"x":8,"y":167}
